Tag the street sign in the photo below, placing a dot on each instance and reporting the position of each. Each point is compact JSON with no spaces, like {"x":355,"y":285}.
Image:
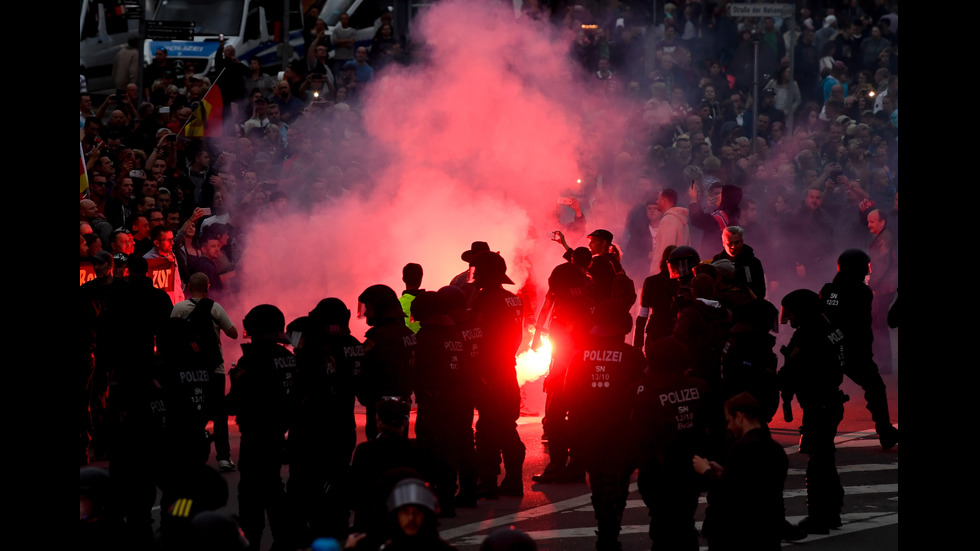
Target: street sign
{"x":761,"y":10}
{"x":170,"y":30}
{"x":133,"y":9}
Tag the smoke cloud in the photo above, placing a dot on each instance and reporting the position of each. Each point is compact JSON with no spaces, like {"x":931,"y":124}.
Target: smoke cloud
{"x":474,"y":142}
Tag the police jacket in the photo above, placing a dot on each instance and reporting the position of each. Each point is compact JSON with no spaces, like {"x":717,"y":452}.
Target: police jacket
{"x":668,"y":422}
{"x":847,"y":303}
{"x":748,"y":364}
{"x":814,"y":365}
{"x":389,"y":361}
{"x":499,"y":316}
{"x":704,"y":327}
{"x":600,"y":385}
{"x":262,"y":389}
{"x":326,"y":364}
{"x":442,"y":366}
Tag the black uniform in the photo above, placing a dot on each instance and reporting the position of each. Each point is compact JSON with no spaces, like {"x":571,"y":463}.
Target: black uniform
{"x":847,"y":302}
{"x":600,"y":385}
{"x":322,"y":437}
{"x":668,"y":429}
{"x":261,"y":394}
{"x":183,"y":376}
{"x":498,"y":315}
{"x":389,"y":365}
{"x":704,"y":329}
{"x":813,"y":372}
{"x":444,"y":392}
{"x":748,"y":364}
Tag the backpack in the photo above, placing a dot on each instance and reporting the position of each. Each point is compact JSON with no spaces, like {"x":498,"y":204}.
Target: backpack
{"x":203,"y":338}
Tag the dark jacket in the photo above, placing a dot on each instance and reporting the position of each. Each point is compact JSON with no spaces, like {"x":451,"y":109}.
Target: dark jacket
{"x":748,"y":270}
{"x":745,"y":501}
{"x":262,"y":389}
{"x":814,"y":364}
{"x":389,"y":361}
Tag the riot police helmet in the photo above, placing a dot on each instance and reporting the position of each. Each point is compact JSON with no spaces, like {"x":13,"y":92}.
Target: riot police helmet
{"x":798,"y":306}
{"x":265,"y":321}
{"x":854,"y":262}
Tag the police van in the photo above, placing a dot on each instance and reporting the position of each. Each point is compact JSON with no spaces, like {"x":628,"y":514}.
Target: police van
{"x":253,"y":27}
{"x":103,"y":29}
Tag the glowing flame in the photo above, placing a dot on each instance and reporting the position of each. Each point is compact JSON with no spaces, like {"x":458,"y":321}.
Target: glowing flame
{"x":534,"y":363}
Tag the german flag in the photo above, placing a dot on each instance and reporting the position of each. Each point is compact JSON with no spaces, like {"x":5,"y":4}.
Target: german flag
{"x":205,"y":121}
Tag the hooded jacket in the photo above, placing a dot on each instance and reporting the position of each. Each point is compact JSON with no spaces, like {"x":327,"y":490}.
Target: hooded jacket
{"x":675,"y":229}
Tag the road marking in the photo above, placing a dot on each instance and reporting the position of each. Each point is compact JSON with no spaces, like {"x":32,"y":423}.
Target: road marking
{"x":534,"y":512}
{"x":853,"y":522}
{"x":584,"y":503}
{"x":846,"y":440}
{"x":867,"y":467}
{"x":801,"y":492}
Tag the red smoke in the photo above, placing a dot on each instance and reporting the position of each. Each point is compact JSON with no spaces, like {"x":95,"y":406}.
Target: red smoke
{"x":474,"y":142}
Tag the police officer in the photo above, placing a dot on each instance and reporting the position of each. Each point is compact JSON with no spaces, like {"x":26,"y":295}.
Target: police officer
{"x":262,"y":395}
{"x":323,"y":435}
{"x":443,"y":391}
{"x":748,"y":363}
{"x":389,"y":347}
{"x":600,"y":385}
{"x":498,"y":315}
{"x":813,"y":371}
{"x":669,"y":428}
{"x":454,"y":300}
{"x":847,"y":302}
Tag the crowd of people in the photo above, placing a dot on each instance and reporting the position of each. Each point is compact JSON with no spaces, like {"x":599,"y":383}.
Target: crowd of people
{"x":804,"y":216}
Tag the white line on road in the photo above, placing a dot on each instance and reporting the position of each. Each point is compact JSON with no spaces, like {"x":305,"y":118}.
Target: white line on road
{"x":534,"y":512}
{"x":801,"y":492}
{"x":867,"y":467}
{"x":581,"y":501}
{"x":853,"y":522}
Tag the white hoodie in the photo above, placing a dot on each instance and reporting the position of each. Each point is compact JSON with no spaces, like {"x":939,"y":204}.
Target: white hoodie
{"x":674,"y":230}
